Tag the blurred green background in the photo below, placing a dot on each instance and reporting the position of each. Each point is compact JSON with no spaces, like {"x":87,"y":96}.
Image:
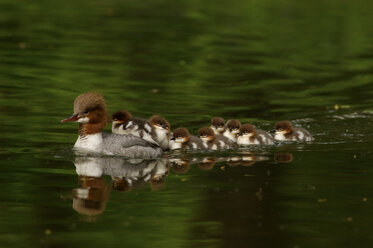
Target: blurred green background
{"x":257,"y":61}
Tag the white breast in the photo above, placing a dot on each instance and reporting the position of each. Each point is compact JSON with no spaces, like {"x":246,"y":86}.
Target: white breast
{"x":175,"y":145}
{"x":279,"y":136}
{"x":230,"y":135}
{"x":91,"y":142}
{"x":162,"y":138}
{"x":242,"y":140}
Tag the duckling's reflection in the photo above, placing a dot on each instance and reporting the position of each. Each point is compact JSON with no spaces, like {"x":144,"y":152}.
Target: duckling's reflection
{"x":93,"y":192}
{"x":283,"y":157}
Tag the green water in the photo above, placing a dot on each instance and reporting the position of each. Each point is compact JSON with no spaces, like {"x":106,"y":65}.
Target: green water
{"x":257,"y":61}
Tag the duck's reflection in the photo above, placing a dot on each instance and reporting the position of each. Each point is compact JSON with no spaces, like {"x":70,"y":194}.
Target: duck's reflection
{"x":92,"y":193}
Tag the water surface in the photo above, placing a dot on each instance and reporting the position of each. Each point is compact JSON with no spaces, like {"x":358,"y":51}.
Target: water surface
{"x":257,"y":61}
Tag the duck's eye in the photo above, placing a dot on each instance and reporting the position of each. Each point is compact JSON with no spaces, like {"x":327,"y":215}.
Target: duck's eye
{"x":86,"y":112}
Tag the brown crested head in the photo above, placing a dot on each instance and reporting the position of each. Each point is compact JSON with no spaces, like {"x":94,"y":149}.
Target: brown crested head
{"x":90,"y":111}
{"x":181,"y":134}
{"x":206,"y":133}
{"x":247,"y":129}
{"x":121,"y":116}
{"x":217,"y":122}
{"x":88,"y":102}
{"x":234,"y":125}
{"x":159,"y":122}
{"x":284,"y":126}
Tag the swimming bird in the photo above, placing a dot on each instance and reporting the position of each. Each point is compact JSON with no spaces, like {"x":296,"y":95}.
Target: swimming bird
{"x":214,"y":141}
{"x":124,"y":123}
{"x":286,"y":131}
{"x":233,"y":128}
{"x":91,"y":114}
{"x":217,"y":124}
{"x":161,"y":131}
{"x":182,"y":139}
{"x":248,"y":135}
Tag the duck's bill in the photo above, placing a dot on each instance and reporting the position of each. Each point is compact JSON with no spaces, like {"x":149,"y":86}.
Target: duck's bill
{"x":74,"y":117}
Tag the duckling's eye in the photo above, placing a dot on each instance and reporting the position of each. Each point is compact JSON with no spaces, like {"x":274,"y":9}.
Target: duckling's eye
{"x":179,"y":136}
{"x":86,"y":112}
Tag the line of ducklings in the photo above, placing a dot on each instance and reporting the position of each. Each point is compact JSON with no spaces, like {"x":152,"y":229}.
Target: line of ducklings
{"x":219,"y":135}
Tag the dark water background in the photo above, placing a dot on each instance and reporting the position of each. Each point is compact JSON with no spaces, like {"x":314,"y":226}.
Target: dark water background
{"x":257,"y":61}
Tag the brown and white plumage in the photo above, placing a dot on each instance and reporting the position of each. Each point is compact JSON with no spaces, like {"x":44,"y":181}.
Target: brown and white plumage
{"x":250,"y":136}
{"x":181,"y":139}
{"x":214,"y":141}
{"x":91,"y":114}
{"x":124,"y":123}
{"x":286,"y":132}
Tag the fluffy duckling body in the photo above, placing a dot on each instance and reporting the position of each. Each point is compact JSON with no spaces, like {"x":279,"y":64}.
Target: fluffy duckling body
{"x":250,"y":136}
{"x":124,"y":123}
{"x":161,"y":131}
{"x":181,"y":139}
{"x":286,"y":132}
{"x":233,"y":128}
{"x":214,"y":141}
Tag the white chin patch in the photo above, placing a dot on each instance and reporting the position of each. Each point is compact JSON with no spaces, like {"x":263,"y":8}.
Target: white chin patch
{"x":235,"y":131}
{"x":83,"y":120}
{"x":180,"y":140}
{"x":159,"y":127}
{"x":205,"y":139}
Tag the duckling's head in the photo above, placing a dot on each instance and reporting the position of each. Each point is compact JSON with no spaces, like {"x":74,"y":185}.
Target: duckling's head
{"x":234,"y":126}
{"x":247,"y":130}
{"x":206,"y":134}
{"x":283,"y":127}
{"x":121,"y":117}
{"x":90,"y":111}
{"x":180,"y":135}
{"x":158,"y":122}
{"x":217,"y":123}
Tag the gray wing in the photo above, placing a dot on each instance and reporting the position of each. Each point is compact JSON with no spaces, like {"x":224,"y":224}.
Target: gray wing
{"x":264,"y":137}
{"x":197,"y":141}
{"x":129,"y":146}
{"x":302,"y":134}
{"x":226,"y":140}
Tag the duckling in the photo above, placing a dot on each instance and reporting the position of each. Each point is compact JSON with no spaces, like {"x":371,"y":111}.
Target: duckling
{"x":161,"y":131}
{"x":182,"y":139}
{"x":217,"y":124}
{"x":250,"y":136}
{"x":124,"y":123}
{"x":286,"y":131}
{"x":214,"y":141}
{"x":233,"y":128}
